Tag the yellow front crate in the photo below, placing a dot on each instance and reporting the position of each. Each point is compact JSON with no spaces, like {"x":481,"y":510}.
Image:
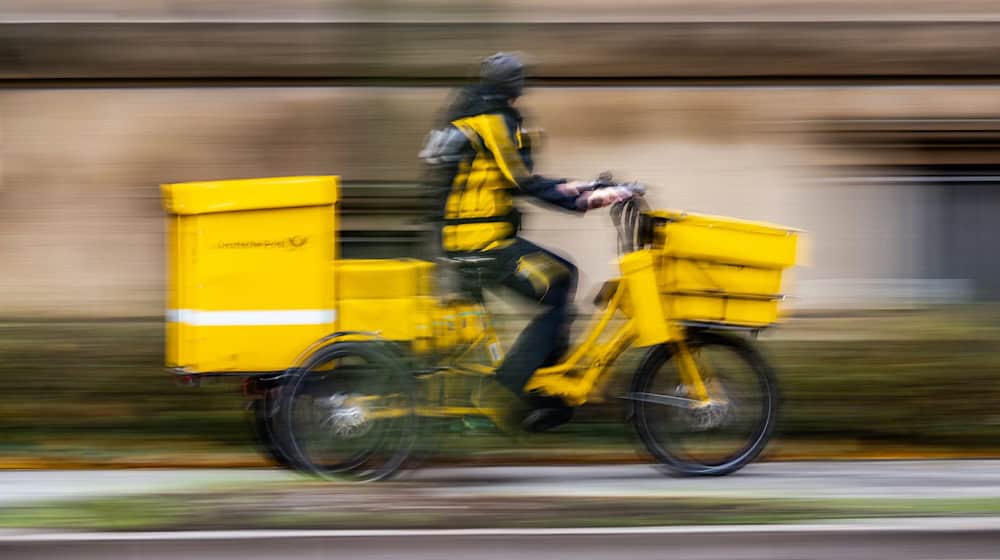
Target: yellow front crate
{"x":721,"y":270}
{"x":686,"y":275}
{"x":724,"y":310}
{"x":249,"y":271}
{"x":724,"y":240}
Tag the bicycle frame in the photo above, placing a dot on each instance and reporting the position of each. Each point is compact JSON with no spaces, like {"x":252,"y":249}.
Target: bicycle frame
{"x":582,"y":375}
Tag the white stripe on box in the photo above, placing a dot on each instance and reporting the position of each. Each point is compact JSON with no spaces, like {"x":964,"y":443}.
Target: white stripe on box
{"x":199,"y":318}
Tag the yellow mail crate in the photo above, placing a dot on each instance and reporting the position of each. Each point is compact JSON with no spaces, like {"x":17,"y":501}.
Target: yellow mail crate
{"x":686,"y":275}
{"x":250,"y":283}
{"x":724,"y":240}
{"x":721,"y":270}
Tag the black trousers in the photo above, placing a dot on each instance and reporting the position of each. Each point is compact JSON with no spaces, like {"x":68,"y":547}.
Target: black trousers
{"x":545,"y":278}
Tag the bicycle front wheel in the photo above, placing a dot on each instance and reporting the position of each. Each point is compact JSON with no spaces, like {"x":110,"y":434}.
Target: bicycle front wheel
{"x":693,"y":438}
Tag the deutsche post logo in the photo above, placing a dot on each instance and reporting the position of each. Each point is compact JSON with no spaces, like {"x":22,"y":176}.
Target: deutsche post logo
{"x":290,"y":243}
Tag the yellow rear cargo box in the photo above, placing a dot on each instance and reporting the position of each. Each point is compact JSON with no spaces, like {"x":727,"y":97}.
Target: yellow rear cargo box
{"x":250,"y":261}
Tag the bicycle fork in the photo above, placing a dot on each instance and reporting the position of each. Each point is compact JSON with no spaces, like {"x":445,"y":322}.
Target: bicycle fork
{"x":689,"y":372}
{"x":695,"y":395}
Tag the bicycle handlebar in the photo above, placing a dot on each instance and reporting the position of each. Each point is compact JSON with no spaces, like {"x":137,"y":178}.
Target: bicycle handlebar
{"x":634,"y":187}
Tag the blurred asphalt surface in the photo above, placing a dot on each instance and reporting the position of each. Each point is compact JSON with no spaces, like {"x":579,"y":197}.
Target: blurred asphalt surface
{"x":806,"y":480}
{"x":889,"y":539}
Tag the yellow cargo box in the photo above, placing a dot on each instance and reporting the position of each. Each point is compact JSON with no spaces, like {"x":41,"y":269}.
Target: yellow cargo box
{"x":249,"y":271}
{"x":400,"y":319}
{"x":724,"y":240}
{"x":741,"y":312}
{"x":384,"y":278}
{"x":686,"y":275}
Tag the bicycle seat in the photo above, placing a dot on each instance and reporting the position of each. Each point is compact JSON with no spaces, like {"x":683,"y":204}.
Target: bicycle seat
{"x":473,"y":272}
{"x":469,"y":260}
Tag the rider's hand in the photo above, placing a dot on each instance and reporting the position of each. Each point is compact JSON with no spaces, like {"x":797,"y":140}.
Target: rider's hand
{"x":571,"y":188}
{"x":600,"y":198}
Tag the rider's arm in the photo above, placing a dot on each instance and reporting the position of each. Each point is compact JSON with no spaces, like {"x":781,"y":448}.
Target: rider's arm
{"x":498,"y":136}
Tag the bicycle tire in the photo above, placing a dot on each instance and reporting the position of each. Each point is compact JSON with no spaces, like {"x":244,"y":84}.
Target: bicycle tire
{"x":663,"y":449}
{"x":389,"y":449}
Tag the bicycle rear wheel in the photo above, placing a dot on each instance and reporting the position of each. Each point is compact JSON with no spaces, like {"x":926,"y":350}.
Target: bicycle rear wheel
{"x":349,"y":413}
{"x":690,"y":438}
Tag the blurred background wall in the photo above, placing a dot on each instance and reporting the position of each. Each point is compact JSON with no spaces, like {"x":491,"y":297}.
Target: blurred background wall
{"x":872,"y":125}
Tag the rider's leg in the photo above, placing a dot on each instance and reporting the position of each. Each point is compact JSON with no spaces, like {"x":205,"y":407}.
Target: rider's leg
{"x":551,"y":281}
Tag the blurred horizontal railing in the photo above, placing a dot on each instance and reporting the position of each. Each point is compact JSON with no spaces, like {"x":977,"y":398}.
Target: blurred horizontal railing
{"x":385,"y":220}
{"x":438,"y":53}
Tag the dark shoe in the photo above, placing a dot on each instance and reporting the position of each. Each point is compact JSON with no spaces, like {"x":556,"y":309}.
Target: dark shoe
{"x":501,"y":406}
{"x":546,"y":413}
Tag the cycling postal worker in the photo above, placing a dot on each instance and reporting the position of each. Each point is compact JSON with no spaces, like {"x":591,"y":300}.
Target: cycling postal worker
{"x":481,"y":159}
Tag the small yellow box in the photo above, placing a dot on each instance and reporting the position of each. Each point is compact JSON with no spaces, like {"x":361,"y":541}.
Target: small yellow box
{"x":400,"y":319}
{"x":249,"y":271}
{"x":384,"y":278}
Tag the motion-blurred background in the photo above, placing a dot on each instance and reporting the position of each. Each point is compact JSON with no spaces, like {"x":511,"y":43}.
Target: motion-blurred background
{"x":873,"y":125}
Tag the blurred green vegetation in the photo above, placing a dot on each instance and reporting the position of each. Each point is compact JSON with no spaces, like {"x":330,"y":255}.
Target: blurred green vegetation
{"x":97,"y":391}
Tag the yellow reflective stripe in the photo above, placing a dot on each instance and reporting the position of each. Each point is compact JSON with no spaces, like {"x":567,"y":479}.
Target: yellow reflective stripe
{"x":534,"y":275}
{"x":469,"y":133}
{"x":550,"y":266}
{"x":541,"y":270}
{"x":504,"y":243}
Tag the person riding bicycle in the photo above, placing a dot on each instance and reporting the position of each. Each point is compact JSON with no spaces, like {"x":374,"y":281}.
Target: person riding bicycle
{"x":480,"y":159}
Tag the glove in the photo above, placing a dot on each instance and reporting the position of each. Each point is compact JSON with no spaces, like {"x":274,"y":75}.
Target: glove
{"x":600,"y":198}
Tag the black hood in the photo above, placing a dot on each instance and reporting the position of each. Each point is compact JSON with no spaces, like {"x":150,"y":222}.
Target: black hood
{"x":480,"y":99}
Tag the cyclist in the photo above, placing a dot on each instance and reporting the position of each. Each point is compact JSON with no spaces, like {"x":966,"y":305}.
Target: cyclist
{"x":480,"y":159}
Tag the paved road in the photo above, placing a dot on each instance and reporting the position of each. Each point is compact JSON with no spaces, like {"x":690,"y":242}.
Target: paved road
{"x":914,"y":540}
{"x":954,"y":539}
{"x":867,"y":479}
{"x":890,"y":479}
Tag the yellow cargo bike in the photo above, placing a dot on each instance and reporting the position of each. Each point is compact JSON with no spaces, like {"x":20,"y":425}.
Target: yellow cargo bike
{"x":344,"y":360}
